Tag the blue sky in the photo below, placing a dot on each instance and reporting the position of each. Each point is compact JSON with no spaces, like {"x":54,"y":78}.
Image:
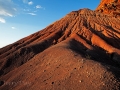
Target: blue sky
{"x":20,"y":18}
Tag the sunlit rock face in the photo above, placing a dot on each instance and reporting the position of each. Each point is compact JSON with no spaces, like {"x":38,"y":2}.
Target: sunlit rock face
{"x":111,"y":7}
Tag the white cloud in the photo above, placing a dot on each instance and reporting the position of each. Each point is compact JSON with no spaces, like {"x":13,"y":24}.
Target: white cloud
{"x":26,"y":10}
{"x":2,"y":20}
{"x":33,"y":14}
{"x":14,"y":9}
{"x":13,"y":27}
{"x":7,"y":8}
{"x":25,"y":1}
{"x":5,"y":13}
{"x":30,"y":3}
{"x":38,"y":6}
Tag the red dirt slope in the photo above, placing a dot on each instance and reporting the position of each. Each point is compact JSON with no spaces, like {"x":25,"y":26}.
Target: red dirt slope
{"x":81,"y":51}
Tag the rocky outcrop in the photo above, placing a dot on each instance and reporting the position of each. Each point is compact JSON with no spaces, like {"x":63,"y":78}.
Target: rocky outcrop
{"x":111,"y":7}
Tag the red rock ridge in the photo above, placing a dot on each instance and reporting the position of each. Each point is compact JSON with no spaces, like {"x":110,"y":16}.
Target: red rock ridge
{"x":111,"y":7}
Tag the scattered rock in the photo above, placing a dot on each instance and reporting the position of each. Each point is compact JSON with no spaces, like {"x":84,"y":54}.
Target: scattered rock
{"x":52,"y":82}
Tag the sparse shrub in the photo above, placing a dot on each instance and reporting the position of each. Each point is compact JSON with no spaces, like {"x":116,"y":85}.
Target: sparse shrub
{"x":88,"y":56}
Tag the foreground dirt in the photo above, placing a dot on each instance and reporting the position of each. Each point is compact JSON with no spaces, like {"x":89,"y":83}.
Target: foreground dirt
{"x":81,"y":51}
